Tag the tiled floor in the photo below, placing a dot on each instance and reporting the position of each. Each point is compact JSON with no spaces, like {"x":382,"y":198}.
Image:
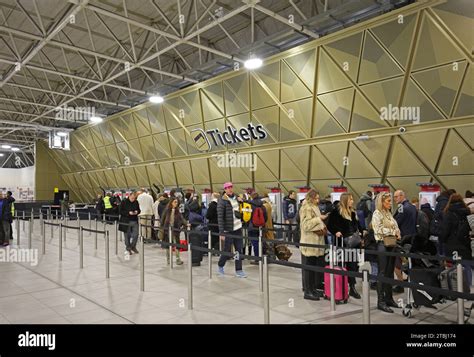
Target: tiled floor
{"x":58,"y":292}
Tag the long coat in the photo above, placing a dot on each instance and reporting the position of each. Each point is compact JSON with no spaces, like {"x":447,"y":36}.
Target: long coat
{"x":310,"y":221}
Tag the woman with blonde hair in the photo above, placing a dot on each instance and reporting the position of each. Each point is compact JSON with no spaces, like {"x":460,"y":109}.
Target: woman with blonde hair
{"x":343,"y":224}
{"x":386,"y":234}
{"x":312,"y":232}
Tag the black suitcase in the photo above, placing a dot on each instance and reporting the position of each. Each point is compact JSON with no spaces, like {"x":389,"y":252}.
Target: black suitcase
{"x":196,"y":238}
{"x":428,"y":277}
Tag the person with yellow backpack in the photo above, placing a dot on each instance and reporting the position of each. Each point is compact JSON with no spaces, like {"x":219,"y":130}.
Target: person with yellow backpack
{"x":257,"y":221}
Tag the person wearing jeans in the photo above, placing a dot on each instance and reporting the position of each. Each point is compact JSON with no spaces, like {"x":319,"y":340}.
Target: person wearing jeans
{"x":128,"y":224}
{"x":289,"y":215}
{"x":228,"y":218}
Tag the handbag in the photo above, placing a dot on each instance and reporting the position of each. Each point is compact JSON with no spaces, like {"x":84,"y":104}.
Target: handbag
{"x":390,"y":241}
{"x":353,"y":240}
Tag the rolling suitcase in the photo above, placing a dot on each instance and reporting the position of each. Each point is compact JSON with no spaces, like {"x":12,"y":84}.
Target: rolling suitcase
{"x":341,"y":282}
{"x":428,"y":277}
{"x":448,"y":280}
{"x":196,"y":238}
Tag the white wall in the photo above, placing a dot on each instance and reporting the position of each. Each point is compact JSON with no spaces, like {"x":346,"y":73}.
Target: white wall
{"x":20,"y":181}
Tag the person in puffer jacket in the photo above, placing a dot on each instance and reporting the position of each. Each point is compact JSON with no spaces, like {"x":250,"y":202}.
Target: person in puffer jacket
{"x":289,"y":214}
{"x":229,"y":221}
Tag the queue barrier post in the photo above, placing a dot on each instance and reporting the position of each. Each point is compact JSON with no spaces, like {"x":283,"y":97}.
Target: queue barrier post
{"x":459,"y":272}
{"x":331,"y":278}
{"x":60,"y":241}
{"x":170,"y":238}
{"x":107,"y":263}
{"x":190,"y":277}
{"x":142,"y":263}
{"x":209,"y":254}
{"x":23,"y":223}
{"x":95,"y":237}
{"x":81,"y":248}
{"x":18,"y":231}
{"x":116,"y":237}
{"x":30,"y":232}
{"x":260,"y":262}
{"x":266,"y":292}
{"x":43,"y":238}
{"x":90,"y":223}
{"x":366,"y":297}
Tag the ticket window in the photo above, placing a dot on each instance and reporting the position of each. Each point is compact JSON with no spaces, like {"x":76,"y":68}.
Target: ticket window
{"x":429,"y":197}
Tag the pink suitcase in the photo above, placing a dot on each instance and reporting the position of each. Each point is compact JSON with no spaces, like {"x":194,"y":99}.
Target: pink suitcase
{"x":341,"y":282}
{"x":341,"y":286}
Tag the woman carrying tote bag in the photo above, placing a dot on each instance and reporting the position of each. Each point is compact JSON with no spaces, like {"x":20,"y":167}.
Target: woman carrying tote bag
{"x":386,"y":234}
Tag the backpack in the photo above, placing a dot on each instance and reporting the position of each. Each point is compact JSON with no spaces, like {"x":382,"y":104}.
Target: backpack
{"x":246,"y":211}
{"x":362,"y":207}
{"x":258,"y":217}
{"x":422,"y":224}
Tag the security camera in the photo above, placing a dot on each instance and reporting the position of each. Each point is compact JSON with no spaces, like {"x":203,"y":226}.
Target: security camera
{"x":402,"y":129}
{"x":234,"y":151}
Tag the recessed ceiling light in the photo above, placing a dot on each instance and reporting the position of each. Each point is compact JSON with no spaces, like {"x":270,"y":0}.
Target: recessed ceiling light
{"x":156,"y":99}
{"x":253,"y":63}
{"x":95,"y":119}
{"x":62,"y":133}
{"x":6,"y":147}
{"x":15,"y":149}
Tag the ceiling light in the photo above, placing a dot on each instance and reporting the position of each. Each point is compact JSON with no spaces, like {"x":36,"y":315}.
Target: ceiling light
{"x":62,"y":133}
{"x":95,"y":119}
{"x":1,"y":155}
{"x":253,"y":63}
{"x":362,"y":137}
{"x":6,"y":147}
{"x":15,"y":149}
{"x":156,"y":99}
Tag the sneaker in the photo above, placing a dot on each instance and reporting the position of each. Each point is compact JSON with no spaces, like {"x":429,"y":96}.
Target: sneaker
{"x":220,"y":271}
{"x":240,"y":274}
{"x":135,"y":250}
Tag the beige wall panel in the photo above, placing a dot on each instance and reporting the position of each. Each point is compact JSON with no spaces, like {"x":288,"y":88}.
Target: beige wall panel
{"x":97,"y":136}
{"x":177,"y":139}
{"x":322,"y":186}
{"x":214,"y":94}
{"x":120,"y":178}
{"x":461,"y":183}
{"x":346,"y":53}
{"x":415,"y":98}
{"x":427,"y":145}
{"x":200,"y":171}
{"x":304,"y":65}
{"x":457,"y":157}
{"x":236,"y":91}
{"x":106,"y":133}
{"x":466,"y":97}
{"x":141,"y":122}
{"x":335,"y":153}
{"x":375,"y":150}
{"x":294,"y":164}
{"x":172,"y":113}
{"x":167,"y":172}
{"x":142,"y":176}
{"x":365,"y":117}
{"x":154,"y":174}
{"x":209,"y":109}
{"x":191,"y":107}
{"x":268,"y":117}
{"x":183,"y":173}
{"x":403,"y":163}
{"x":324,"y":124}
{"x":407,"y":184}
{"x":330,"y":76}
{"x":162,"y":145}
{"x":292,"y":86}
{"x":358,"y":165}
{"x":218,"y":174}
{"x":268,"y":165}
{"x":339,"y":105}
{"x":130,"y":177}
{"x":127,"y":126}
{"x":156,"y":118}
{"x":321,"y":168}
{"x":396,"y":37}
{"x":302,"y":110}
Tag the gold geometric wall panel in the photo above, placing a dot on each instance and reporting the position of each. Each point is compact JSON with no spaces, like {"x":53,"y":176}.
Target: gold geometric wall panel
{"x":442,"y":83}
{"x":346,"y":52}
{"x":407,"y":184}
{"x":304,"y":65}
{"x":457,"y":157}
{"x":434,"y":47}
{"x":360,"y":71}
{"x":396,"y":37}
{"x":376,"y":62}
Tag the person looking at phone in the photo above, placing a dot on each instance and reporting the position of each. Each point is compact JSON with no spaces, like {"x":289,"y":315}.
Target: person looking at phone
{"x":129,"y":211}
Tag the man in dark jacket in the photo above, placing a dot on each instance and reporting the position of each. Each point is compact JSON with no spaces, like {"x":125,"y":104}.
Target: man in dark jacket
{"x":129,"y":211}
{"x":289,"y":214}
{"x":11,"y":201}
{"x":229,"y":221}
{"x":163,"y":203}
{"x":211,"y":216}
{"x":426,"y":208}
{"x":405,"y":214}
{"x":406,"y":220}
{"x":5,"y":219}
